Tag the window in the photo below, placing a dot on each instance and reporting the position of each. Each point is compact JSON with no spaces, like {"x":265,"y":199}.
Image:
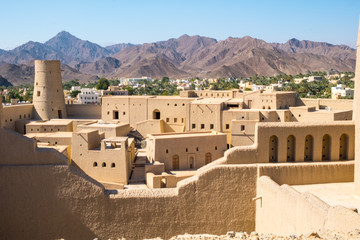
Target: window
{"x":103,"y":164}
{"x":95,"y":164}
{"x":38,"y":93}
{"x":211,"y":126}
{"x":183,"y":104}
{"x":227,"y":126}
{"x":193,"y":125}
{"x":175,"y":104}
{"x":242,"y":127}
{"x":215,"y":147}
{"x":186,"y":150}
{"x":197,"y":149}
{"x":116,"y":115}
{"x":124,"y":113}
{"x":202,"y":126}
{"x":182,"y":120}
{"x":167,"y":119}
{"x":175,"y":120}
{"x":167,"y":151}
{"x":112,"y":165}
{"x":108,"y":113}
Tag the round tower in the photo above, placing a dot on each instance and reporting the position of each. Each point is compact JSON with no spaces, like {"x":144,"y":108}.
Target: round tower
{"x":48,"y":97}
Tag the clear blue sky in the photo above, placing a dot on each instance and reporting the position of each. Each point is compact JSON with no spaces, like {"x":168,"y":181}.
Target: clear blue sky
{"x":107,"y":22}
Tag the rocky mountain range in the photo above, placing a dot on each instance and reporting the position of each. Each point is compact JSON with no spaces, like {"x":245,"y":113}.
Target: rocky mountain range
{"x":186,"y":56}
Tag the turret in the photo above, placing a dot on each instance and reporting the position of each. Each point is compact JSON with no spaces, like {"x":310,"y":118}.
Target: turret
{"x":356,"y":114}
{"x":48,"y":98}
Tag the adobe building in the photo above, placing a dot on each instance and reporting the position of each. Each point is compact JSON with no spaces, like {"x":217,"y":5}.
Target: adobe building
{"x":182,"y":151}
{"x":288,"y":159}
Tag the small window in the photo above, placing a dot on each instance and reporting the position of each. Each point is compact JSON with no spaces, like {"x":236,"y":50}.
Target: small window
{"x":227,"y":126}
{"x":116,"y":115}
{"x":202,"y":126}
{"x":182,"y":120}
{"x":112,"y":165}
{"x":242,"y":127}
{"x":183,"y":104}
{"x":175,"y":104}
{"x":211,"y":126}
{"x":38,"y":93}
{"x":186,"y":150}
{"x":95,"y":164}
{"x":175,"y":120}
{"x":103,"y":164}
{"x":167,"y":151}
{"x":215,"y":147}
{"x":197,"y":149}
{"x":124,"y":113}
{"x":167,"y":119}
{"x":19,"y":116}
{"x":299,"y":115}
{"x":193,"y":125}
{"x":108,"y":112}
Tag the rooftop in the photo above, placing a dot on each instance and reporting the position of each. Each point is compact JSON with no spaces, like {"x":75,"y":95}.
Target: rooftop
{"x":185,"y":135}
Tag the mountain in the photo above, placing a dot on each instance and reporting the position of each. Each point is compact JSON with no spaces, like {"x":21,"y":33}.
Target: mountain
{"x":75,"y":49}
{"x":4,"y":82}
{"x":186,"y":56}
{"x":22,"y":74}
{"x":118,"y":47}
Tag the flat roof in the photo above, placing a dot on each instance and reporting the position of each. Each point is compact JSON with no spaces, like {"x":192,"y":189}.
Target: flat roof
{"x":52,"y":122}
{"x":106,"y":125}
{"x":50,"y":134}
{"x":185,"y":135}
{"x":333,"y":194}
{"x":211,"y":100}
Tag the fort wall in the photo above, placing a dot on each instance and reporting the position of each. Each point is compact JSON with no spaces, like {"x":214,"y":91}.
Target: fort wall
{"x":298,"y":213}
{"x":322,"y":103}
{"x":83,"y":111}
{"x":10,"y":114}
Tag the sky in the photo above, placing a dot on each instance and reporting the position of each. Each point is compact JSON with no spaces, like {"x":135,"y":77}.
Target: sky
{"x":108,"y":22}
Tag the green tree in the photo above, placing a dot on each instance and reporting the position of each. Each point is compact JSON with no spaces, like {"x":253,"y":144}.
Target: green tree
{"x":103,"y":84}
{"x":74,"y":94}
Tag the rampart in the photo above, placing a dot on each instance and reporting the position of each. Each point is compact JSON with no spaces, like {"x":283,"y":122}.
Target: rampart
{"x":283,"y":210}
{"x":83,"y":111}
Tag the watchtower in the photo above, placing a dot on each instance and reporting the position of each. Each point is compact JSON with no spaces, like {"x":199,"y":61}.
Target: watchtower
{"x":48,"y":97}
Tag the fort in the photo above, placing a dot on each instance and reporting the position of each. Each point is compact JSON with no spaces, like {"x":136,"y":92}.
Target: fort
{"x":153,"y":166}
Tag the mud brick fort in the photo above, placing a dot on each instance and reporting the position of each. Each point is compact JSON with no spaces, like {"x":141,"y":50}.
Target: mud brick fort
{"x":203,"y":162}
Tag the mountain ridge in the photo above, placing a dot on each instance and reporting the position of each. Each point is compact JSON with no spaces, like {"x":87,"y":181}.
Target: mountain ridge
{"x":185,"y":56}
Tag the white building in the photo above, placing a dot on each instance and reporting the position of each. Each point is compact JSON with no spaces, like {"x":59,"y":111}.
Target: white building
{"x":89,"y":96}
{"x":341,"y":91}
{"x":257,"y":87}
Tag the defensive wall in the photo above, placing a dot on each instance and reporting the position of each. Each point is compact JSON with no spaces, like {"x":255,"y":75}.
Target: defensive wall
{"x":283,"y":210}
{"x":322,"y":103}
{"x":10,"y":114}
{"x":83,"y":111}
{"x":62,"y":202}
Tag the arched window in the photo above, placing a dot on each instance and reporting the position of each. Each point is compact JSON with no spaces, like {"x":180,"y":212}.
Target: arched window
{"x":175,"y":162}
{"x":308,"y":149}
{"x":273,"y":149}
{"x":207,"y":158}
{"x":95,"y":164}
{"x":156,"y":114}
{"x":112,"y":165}
{"x":291,"y":148}
{"x":326,"y":147}
{"x":344,"y":146}
{"x":103,"y":164}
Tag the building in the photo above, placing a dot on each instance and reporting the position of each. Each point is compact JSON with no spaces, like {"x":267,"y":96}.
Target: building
{"x":305,"y":165}
{"x":341,"y":91}
{"x":89,"y":96}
